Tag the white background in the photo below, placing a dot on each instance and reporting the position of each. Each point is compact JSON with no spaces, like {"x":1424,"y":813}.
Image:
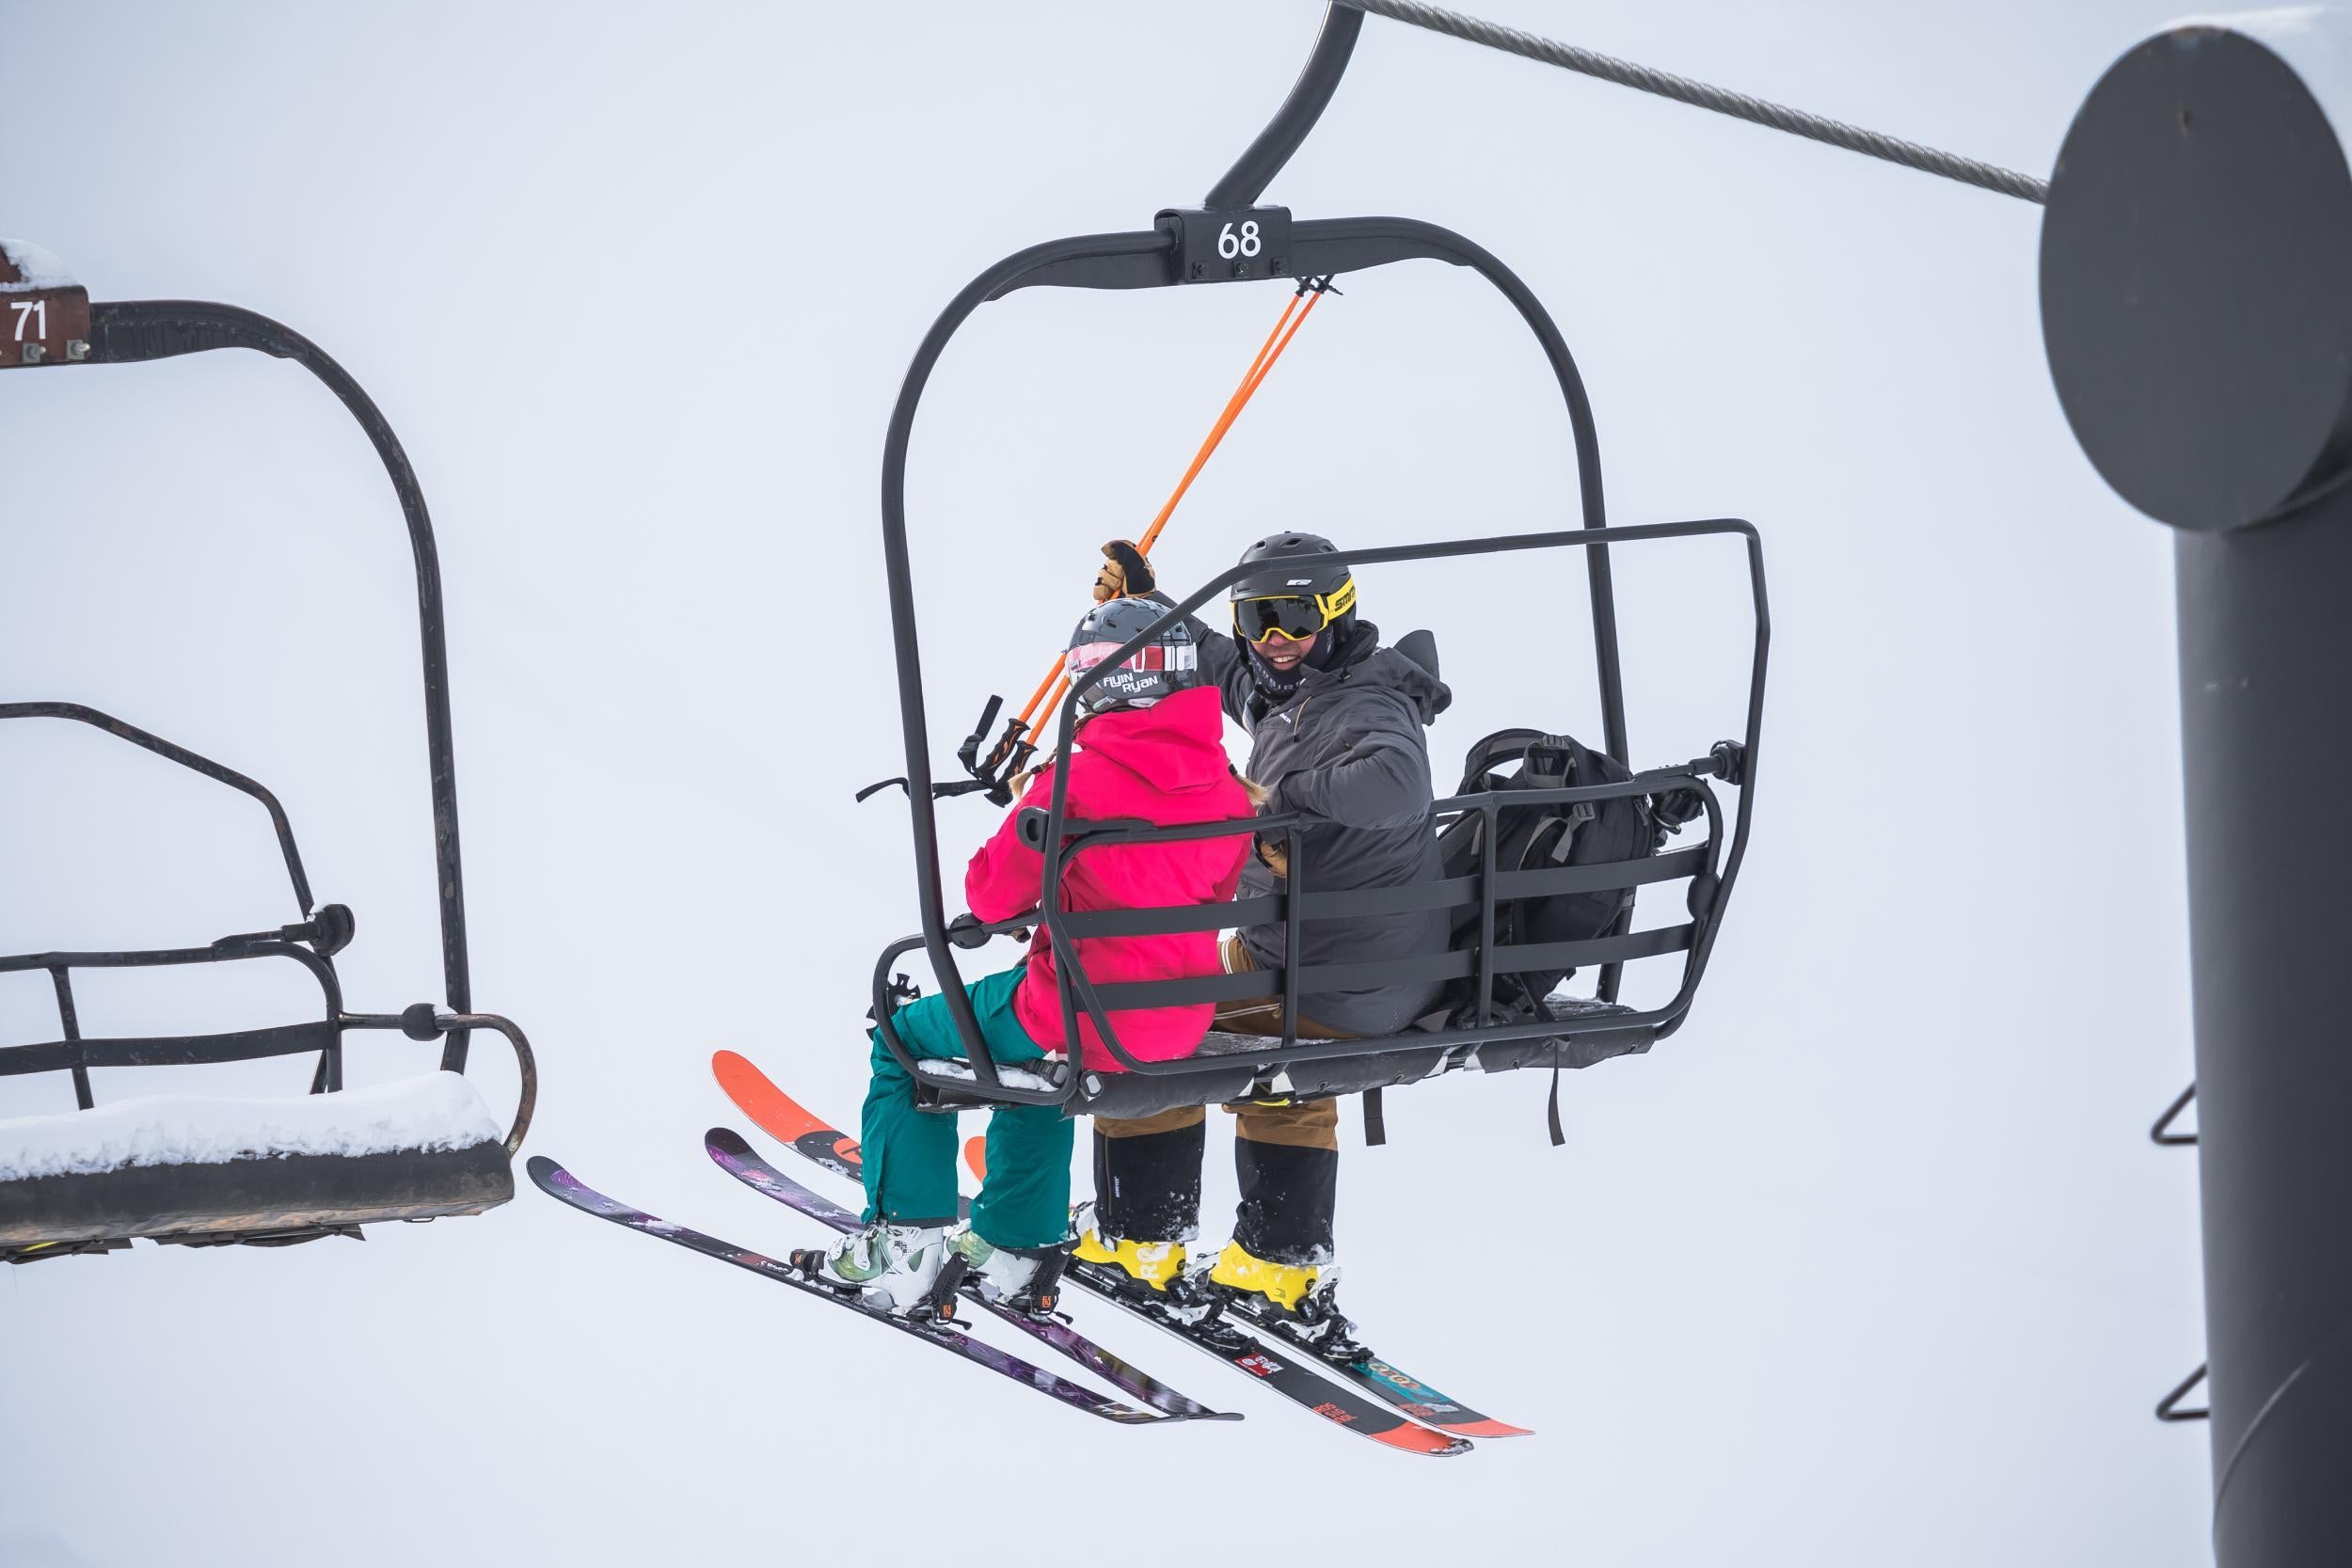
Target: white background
{"x":1872,"y":1263}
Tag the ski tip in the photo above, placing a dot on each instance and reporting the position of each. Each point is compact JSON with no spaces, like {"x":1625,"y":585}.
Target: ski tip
{"x":1491,"y":1429}
{"x":1419,"y":1440}
{"x":976,"y":1156}
{"x":726,"y":1140}
{"x":776,"y":1111}
{"x":1127,"y":1415}
{"x":542,"y":1170}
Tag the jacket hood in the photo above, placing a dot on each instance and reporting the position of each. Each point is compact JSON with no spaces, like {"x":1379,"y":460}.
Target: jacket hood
{"x":1177,"y":744}
{"x":1363,"y":662}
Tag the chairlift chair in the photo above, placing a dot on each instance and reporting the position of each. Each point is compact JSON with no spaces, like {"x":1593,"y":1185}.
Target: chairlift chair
{"x":1232,"y":238}
{"x":188,"y":1171}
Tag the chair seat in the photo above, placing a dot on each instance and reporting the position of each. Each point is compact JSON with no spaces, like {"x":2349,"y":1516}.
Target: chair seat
{"x":175,"y":1165}
{"x":946,"y":1070}
{"x":1261,"y":1071}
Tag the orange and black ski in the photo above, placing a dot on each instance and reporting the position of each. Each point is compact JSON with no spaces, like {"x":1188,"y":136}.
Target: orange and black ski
{"x":1368,"y":1372}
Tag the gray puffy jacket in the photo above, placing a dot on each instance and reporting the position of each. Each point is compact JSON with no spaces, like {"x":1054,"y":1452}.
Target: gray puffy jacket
{"x":1349,"y":744}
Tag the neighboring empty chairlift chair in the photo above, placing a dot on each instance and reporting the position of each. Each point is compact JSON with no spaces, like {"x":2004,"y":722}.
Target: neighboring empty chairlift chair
{"x":207,"y":1171}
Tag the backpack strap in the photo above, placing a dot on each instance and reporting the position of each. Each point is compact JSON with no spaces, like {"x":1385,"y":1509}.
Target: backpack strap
{"x":1566,"y":756}
{"x":1375,"y":1124}
{"x":1495,"y":749}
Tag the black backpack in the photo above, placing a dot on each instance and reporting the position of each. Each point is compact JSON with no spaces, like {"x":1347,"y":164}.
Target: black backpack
{"x":1534,"y":837}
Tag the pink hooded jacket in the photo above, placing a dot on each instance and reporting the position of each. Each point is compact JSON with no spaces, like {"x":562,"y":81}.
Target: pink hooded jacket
{"x":1167,"y":765}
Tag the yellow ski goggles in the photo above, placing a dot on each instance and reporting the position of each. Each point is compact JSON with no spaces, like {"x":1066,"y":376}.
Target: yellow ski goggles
{"x":1297,"y":616}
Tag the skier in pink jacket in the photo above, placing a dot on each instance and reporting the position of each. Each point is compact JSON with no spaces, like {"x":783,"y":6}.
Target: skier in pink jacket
{"x":1150,"y":746}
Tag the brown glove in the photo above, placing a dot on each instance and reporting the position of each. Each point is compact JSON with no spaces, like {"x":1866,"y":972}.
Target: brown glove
{"x":1257,"y":793}
{"x":1125,"y":573}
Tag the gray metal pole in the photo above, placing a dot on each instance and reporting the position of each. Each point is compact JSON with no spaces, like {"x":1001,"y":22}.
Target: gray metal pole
{"x":2197,"y":310}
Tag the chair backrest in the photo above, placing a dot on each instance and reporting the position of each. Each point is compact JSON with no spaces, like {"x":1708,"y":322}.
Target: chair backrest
{"x":1466,"y":892}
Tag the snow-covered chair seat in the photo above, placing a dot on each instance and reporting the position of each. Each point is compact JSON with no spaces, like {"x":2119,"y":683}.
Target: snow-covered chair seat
{"x":946,"y":1071}
{"x":192,"y":1167}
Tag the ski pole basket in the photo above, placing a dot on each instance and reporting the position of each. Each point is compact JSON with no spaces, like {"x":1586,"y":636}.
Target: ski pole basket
{"x":207,"y":1171}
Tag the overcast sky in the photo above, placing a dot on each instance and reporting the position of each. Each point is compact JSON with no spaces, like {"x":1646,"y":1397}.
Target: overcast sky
{"x":1872,"y":1263}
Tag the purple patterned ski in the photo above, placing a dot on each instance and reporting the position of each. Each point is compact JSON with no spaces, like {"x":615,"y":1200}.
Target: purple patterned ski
{"x":736,"y":1157}
{"x":1295,"y":1378}
{"x":562,"y":1184}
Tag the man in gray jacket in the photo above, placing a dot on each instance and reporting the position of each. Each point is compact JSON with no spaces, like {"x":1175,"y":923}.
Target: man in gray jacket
{"x":1336,"y":726}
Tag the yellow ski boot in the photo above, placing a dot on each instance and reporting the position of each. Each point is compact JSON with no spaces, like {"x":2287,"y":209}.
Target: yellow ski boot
{"x":1149,"y":1274}
{"x":1293,"y":1299}
{"x":1153,"y":1265}
{"x":1283,"y":1285}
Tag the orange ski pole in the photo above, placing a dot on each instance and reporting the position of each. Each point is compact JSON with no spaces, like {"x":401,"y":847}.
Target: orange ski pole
{"x":1286,"y":327}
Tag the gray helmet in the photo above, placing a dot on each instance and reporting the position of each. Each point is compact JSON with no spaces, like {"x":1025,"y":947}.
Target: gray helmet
{"x":1167,"y":664}
{"x":1299,"y":599}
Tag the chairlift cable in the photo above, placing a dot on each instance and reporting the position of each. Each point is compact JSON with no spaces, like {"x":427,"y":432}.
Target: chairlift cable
{"x":1721,"y":101}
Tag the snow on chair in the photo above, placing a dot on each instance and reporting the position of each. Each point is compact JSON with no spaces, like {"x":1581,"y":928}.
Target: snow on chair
{"x":206,"y":1171}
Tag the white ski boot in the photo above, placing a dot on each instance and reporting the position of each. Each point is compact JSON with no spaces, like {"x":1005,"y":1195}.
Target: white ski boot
{"x":1025,"y":1279}
{"x":908,"y":1270}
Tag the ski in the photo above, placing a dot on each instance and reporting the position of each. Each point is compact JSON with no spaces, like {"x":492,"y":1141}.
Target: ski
{"x":1402,"y":1390}
{"x":562,"y":1186}
{"x":1368,"y":1372}
{"x":728,"y":1151}
{"x":1299,"y":1379}
{"x":782,"y":1119}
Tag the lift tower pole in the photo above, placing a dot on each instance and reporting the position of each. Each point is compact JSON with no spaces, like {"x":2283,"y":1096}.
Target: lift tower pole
{"x":2197,"y":310}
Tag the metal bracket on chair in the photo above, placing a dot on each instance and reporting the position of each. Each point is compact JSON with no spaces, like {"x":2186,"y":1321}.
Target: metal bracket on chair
{"x":44,"y":319}
{"x":1224,"y":245}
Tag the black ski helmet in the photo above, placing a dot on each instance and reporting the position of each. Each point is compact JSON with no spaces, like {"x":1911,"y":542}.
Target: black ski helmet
{"x":1329,"y":584}
{"x":1167,"y":664}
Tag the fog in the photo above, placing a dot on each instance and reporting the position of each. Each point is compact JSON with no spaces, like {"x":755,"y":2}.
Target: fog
{"x":1870,"y":1263}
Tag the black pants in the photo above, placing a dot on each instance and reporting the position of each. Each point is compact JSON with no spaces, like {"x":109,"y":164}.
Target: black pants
{"x":1147,"y":1170}
{"x":1147,"y":1178}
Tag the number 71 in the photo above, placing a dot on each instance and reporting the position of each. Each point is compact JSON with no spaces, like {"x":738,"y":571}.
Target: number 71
{"x":27,"y":312}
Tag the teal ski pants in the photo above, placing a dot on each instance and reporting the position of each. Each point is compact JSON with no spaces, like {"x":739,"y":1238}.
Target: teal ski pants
{"x":911,"y":1154}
